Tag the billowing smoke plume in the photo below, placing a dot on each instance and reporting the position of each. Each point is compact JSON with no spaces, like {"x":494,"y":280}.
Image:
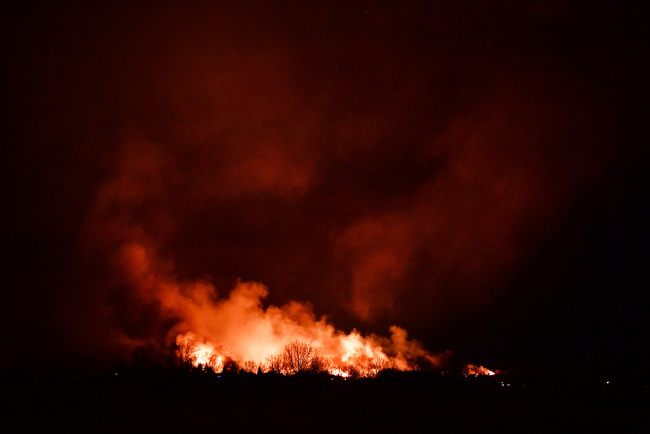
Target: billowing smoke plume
{"x":237,"y":327}
{"x":396,"y":178}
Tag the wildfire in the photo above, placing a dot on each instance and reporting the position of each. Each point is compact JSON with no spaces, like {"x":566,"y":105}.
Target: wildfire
{"x":198,"y":354}
{"x":339,"y":373}
{"x":237,"y":331}
{"x":474,"y":370}
{"x":299,"y":356}
{"x":303,"y":356}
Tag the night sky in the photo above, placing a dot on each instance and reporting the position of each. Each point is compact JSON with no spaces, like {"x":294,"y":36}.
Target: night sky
{"x":472,"y":173}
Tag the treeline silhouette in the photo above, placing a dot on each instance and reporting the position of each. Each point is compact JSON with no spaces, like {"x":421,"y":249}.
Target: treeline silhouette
{"x":186,"y":399}
{"x":298,"y":357}
{"x":162,"y":391}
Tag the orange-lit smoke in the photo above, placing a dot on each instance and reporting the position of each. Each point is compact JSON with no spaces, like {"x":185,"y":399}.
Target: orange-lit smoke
{"x":212,"y":329}
{"x":366,"y":189}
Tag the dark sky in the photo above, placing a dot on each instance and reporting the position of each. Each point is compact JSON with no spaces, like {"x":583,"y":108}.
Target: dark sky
{"x":473,"y":173}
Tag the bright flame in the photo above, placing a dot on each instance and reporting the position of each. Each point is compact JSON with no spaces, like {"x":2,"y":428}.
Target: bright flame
{"x":215,"y":332}
{"x":339,"y":373}
{"x":474,"y":370}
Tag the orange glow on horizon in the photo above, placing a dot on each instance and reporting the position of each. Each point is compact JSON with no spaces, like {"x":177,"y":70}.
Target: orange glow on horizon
{"x":238,"y":331}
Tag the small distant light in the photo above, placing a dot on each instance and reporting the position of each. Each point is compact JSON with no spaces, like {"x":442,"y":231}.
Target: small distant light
{"x":607,"y":382}
{"x":116,"y":373}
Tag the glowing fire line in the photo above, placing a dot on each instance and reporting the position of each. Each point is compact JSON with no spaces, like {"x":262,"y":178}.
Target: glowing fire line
{"x":237,"y":330}
{"x":205,"y":354}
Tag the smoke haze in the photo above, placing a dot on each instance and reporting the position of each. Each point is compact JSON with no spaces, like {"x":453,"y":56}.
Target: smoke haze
{"x":376,"y":165}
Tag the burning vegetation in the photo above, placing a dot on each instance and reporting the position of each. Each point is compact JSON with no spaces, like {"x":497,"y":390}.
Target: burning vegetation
{"x":475,"y":371}
{"x":214,"y":332}
{"x":289,"y":340}
{"x":237,"y":332}
{"x":296,"y":357}
{"x":152,"y":303}
{"x":304,"y":357}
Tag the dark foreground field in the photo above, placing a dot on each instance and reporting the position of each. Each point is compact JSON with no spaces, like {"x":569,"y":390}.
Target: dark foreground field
{"x":398,"y":402}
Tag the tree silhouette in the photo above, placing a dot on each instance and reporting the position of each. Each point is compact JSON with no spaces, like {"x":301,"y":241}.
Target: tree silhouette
{"x":275,"y":364}
{"x":297,"y":356}
{"x":230,"y":366}
{"x":250,"y":366}
{"x":186,"y":351}
{"x":319,"y":364}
